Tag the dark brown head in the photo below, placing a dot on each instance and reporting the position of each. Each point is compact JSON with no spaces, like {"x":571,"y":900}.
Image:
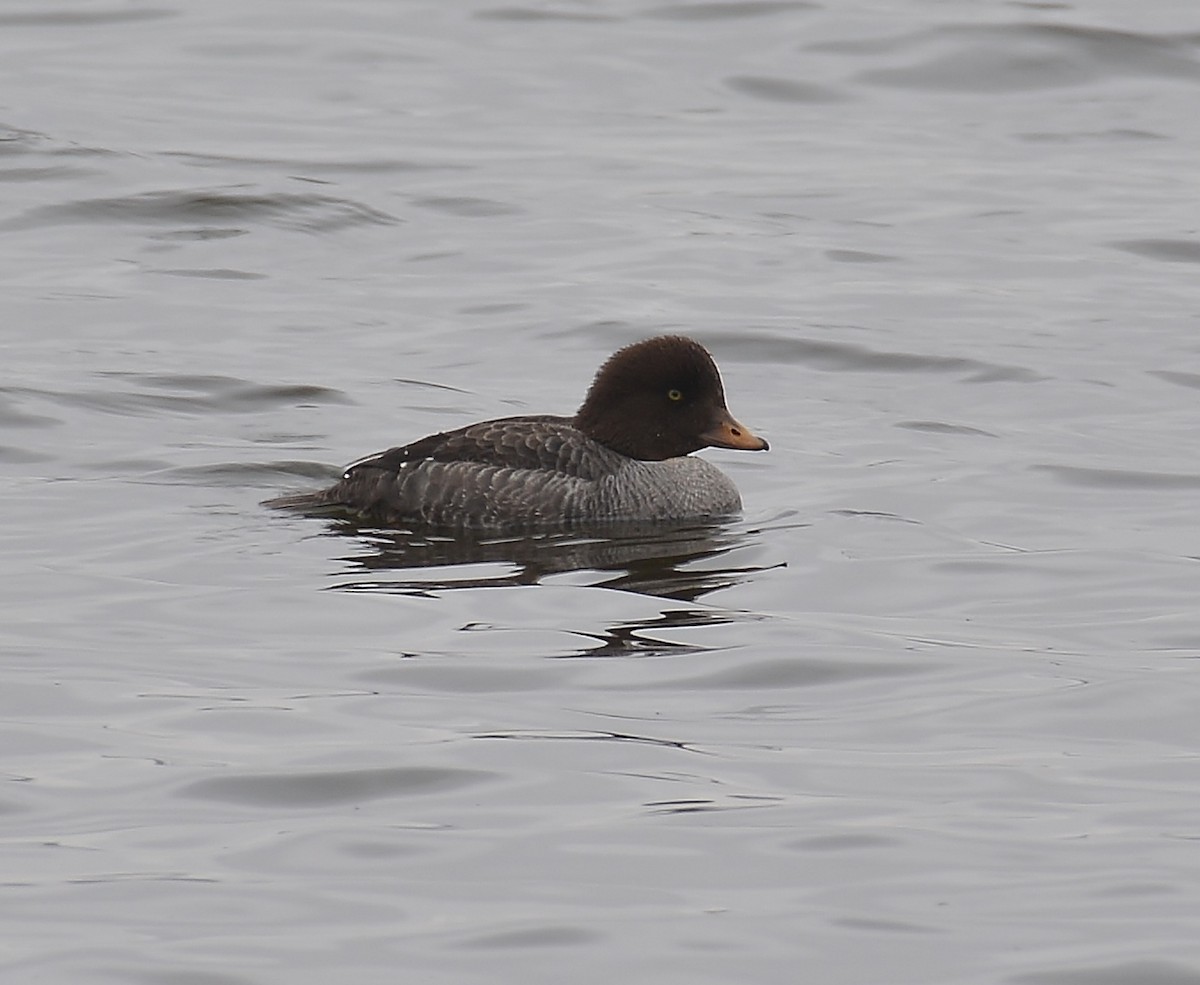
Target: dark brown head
{"x":661,"y":398}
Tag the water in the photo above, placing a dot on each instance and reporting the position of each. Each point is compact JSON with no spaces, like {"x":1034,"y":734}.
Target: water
{"x":925,"y":713}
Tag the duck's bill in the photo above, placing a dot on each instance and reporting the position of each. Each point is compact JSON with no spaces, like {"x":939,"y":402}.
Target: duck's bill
{"x":728,"y":433}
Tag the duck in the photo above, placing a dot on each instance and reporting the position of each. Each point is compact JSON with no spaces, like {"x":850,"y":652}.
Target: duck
{"x":625,"y":456}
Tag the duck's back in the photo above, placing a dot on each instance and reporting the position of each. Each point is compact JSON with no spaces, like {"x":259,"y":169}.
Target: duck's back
{"x":520,"y":472}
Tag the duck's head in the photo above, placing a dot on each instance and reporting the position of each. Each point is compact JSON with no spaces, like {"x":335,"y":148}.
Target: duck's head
{"x":659,"y":399}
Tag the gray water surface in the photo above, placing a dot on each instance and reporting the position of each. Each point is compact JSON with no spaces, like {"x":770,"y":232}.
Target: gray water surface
{"x":926,"y":713}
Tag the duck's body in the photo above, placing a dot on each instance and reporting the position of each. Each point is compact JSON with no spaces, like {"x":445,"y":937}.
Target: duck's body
{"x":623,"y":457}
{"x":525,"y":472}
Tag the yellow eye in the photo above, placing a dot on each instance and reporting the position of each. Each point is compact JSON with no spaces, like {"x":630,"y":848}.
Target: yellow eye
{"x":675,"y":395}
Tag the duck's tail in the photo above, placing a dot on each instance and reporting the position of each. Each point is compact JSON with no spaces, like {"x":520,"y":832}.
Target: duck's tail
{"x":300,"y":501}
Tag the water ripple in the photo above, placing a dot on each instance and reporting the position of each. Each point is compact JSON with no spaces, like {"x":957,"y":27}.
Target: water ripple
{"x":185,"y":394}
{"x":309,"y":213}
{"x":532,"y":14}
{"x":1148,"y":972}
{"x":1190,"y":380}
{"x":241,"y":475}
{"x":275,"y":165}
{"x":1122,"y":478}
{"x":74,"y":18}
{"x":801,"y":672}
{"x":941,"y":427}
{"x":209,"y":273}
{"x":859,"y":256}
{"x":11,"y":416}
{"x":776,"y":90}
{"x":300,"y":789}
{"x":1169,"y":250}
{"x":852,"y":357}
{"x":541,"y":936}
{"x":727,"y":11}
{"x":989,"y":58}
{"x":468,"y":207}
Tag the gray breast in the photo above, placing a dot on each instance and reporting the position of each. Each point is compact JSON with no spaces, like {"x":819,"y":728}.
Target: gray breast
{"x":673,"y":489}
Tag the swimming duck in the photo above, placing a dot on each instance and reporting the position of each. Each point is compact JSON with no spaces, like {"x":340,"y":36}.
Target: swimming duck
{"x":624,"y":456}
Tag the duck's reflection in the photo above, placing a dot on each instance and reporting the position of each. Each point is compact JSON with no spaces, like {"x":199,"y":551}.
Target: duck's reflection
{"x":636,"y":638}
{"x":663,"y":560}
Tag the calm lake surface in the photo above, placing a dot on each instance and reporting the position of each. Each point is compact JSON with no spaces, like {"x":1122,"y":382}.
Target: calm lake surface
{"x":926,"y":713}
